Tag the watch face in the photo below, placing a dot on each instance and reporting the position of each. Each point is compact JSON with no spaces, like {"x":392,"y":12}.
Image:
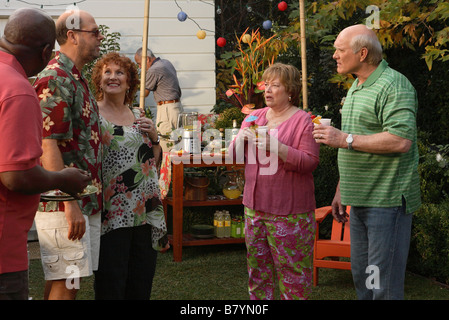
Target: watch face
{"x":349,"y":139}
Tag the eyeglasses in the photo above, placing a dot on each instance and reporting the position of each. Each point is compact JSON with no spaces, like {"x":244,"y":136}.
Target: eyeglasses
{"x":96,"y":32}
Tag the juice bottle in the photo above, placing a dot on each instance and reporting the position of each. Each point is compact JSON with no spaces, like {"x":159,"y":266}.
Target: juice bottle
{"x":234,"y":228}
{"x":227,"y":224}
{"x":215,"y":222}
{"x":242,"y":226}
{"x":235,"y":130}
{"x":238,"y":228}
{"x":220,"y":225}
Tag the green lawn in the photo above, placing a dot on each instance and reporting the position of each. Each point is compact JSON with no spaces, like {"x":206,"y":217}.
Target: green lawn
{"x":219,"y":273}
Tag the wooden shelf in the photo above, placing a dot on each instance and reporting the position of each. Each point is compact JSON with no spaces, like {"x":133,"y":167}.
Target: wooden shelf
{"x":189,"y":240}
{"x":177,"y":201}
{"x":209,"y":202}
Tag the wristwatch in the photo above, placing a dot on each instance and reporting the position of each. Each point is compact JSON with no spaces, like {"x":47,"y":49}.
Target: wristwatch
{"x":155,"y":143}
{"x":349,"y":140}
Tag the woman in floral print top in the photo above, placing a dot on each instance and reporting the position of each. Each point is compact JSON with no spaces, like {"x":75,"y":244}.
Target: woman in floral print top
{"x":133,"y":221}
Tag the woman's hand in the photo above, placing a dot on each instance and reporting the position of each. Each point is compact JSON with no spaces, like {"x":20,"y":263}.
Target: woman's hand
{"x":247,"y":134}
{"x":271,"y":144}
{"x":147,"y":126}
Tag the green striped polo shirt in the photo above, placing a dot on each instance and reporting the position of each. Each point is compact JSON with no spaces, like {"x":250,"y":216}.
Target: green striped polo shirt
{"x":386,"y":101}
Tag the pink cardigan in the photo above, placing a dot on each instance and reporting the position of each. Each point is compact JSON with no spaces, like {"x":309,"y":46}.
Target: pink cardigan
{"x":290,"y":188}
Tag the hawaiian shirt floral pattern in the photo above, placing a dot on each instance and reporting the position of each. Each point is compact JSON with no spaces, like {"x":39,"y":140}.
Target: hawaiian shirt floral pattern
{"x":71,"y":116}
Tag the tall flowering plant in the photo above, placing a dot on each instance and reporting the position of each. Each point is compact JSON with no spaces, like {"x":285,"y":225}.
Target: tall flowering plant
{"x":255,"y":55}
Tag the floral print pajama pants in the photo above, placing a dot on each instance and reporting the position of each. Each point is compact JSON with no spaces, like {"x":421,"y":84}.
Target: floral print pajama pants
{"x":281,"y":246}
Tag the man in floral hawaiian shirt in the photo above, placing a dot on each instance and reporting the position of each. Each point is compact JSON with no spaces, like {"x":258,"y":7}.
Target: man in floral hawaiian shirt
{"x":71,"y":138}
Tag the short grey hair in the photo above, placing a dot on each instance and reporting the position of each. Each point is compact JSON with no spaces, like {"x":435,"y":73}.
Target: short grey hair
{"x":369,"y":42}
{"x":149,"y":53}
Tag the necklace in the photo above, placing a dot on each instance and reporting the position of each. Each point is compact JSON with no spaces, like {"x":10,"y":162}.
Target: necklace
{"x":274,"y":121}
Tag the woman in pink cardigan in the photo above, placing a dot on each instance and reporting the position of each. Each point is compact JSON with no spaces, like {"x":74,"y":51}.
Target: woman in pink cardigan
{"x":279,"y":195}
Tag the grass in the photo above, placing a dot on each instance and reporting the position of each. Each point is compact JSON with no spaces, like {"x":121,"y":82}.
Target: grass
{"x":219,"y":273}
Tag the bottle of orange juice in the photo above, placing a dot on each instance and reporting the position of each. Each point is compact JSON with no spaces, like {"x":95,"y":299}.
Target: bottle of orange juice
{"x":216,"y":222}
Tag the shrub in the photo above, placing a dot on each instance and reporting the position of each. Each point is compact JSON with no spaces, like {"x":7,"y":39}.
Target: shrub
{"x":429,"y":249}
{"x":433,"y":169}
{"x":226,"y":118}
{"x":326,"y":176}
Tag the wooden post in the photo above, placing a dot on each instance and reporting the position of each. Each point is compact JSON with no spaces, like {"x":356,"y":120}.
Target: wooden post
{"x":302,"y":22}
{"x":144,"y":54}
{"x":178,"y":209}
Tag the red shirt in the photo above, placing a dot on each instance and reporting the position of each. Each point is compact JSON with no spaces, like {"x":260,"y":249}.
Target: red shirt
{"x":20,"y":149}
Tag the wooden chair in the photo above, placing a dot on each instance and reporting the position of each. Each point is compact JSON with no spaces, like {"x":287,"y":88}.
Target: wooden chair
{"x":333,"y":249}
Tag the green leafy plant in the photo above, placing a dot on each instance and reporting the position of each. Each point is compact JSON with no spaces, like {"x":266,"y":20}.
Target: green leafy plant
{"x":433,"y":169}
{"x":225,"y":119}
{"x":255,"y":53}
{"x":429,"y":248}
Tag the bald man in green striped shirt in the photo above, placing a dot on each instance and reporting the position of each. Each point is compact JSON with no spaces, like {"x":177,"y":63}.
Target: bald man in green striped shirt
{"x":378,"y":164}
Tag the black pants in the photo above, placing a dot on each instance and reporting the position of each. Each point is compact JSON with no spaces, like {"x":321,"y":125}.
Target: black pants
{"x":14,"y":285}
{"x":126,"y":266}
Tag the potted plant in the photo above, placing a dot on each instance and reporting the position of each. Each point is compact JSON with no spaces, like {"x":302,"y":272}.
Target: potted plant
{"x":254,"y":55}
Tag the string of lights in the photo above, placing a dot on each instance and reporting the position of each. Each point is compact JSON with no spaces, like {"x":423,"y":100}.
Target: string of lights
{"x":213,"y":5}
{"x":252,"y":8}
{"x":42,"y":5}
{"x":182,"y":16}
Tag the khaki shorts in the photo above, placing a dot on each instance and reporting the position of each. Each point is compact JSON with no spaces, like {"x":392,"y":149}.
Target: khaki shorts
{"x":63,"y":258}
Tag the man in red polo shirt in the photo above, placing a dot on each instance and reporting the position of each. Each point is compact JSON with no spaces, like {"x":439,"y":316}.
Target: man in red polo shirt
{"x":25,"y":49}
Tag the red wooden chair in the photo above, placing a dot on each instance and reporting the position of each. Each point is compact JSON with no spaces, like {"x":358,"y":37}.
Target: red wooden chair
{"x":333,"y":249}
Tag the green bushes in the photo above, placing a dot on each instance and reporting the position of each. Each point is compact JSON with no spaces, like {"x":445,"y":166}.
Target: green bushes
{"x":434,"y":171}
{"x":226,"y":118}
{"x":326,"y":176}
{"x":429,"y":250}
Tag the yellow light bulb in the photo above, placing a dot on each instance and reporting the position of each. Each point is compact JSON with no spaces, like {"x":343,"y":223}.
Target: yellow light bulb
{"x":201,"y":34}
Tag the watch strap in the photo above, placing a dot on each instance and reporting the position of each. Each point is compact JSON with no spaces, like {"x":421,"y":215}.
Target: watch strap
{"x":349,"y":140}
{"x":155,"y":143}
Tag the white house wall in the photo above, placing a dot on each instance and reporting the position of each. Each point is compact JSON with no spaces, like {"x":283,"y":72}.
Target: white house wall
{"x":168,"y":38}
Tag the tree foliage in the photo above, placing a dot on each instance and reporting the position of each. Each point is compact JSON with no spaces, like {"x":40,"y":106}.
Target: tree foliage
{"x":413,"y":33}
{"x":402,"y":23}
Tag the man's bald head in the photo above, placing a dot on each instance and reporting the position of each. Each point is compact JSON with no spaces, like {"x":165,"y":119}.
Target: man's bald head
{"x":70,"y":20}
{"x":30,"y":27}
{"x":30,"y":36}
{"x":358,"y":29}
{"x":360,"y":36}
